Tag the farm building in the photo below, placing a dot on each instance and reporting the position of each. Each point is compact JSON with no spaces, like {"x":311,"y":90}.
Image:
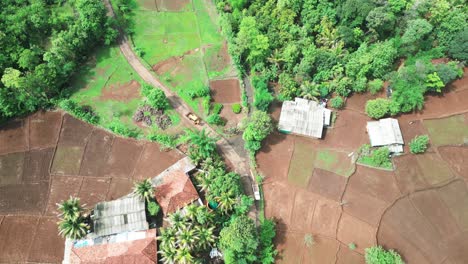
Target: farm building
{"x":173,"y":188}
{"x":119,"y":216}
{"x":132,"y":247}
{"x":386,"y":132}
{"x":303,"y":117}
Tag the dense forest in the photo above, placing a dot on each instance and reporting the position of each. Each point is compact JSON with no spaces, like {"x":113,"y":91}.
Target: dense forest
{"x":319,"y":48}
{"x":42,"y":43}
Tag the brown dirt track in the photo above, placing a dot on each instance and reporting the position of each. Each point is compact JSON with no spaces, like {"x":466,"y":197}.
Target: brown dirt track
{"x":52,"y":157}
{"x":420,"y":209}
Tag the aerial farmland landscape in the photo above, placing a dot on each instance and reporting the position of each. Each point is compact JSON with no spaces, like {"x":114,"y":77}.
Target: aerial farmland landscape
{"x":234,"y":131}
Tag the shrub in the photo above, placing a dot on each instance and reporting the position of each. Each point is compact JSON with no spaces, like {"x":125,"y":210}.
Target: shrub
{"x":236,"y":108}
{"x":120,"y":129}
{"x":198,"y":91}
{"x":352,"y":246}
{"x":166,"y":141}
{"x":375,"y":86}
{"x":380,"y":157}
{"x":85,"y":113}
{"x":434,"y":83}
{"x":156,"y":98}
{"x":215,"y":119}
{"x":458,"y":48}
{"x":217,"y":107}
{"x":153,"y":208}
{"x":448,"y":72}
{"x":337,"y":102}
{"x":378,"y":108}
{"x":378,"y":255}
{"x":419,"y":144}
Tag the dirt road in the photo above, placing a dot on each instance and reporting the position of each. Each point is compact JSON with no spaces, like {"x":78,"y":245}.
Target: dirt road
{"x":241,"y":163}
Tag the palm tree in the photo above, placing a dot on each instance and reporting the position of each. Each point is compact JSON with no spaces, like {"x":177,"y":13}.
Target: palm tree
{"x":204,"y":216}
{"x":73,"y":228}
{"x":186,"y":237}
{"x":168,"y":237}
{"x":206,"y":236}
{"x":70,"y":209}
{"x":226,"y":202}
{"x":204,"y":181}
{"x":144,"y":189}
{"x":183,"y":256}
{"x":191,"y":211}
{"x":168,"y":254}
{"x":205,"y":144}
{"x":177,"y":220}
{"x":309,"y":91}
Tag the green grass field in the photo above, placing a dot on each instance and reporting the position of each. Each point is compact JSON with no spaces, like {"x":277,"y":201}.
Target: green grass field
{"x":302,"y":164}
{"x":334,"y":161}
{"x":447,"y":131}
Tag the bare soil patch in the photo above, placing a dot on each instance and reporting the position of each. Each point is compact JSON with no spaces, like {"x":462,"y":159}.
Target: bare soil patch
{"x":434,"y":169}
{"x":327,"y":184}
{"x":326,"y":216}
{"x":166,"y":65}
{"x":290,"y":248}
{"x":225,"y":91}
{"x":411,"y":129}
{"x":122,"y":93}
{"x":61,"y":189}
{"x":67,"y":160}
{"x":324,"y":251}
{"x":48,"y":245}
{"x":153,"y":161}
{"x":119,"y":187}
{"x":16,"y":233}
{"x":231,"y":118}
{"x":93,"y":190}
{"x":363,"y":206}
{"x":412,"y":227}
{"x":303,"y":211}
{"x":74,"y":132}
{"x":14,"y":136}
{"x":408,"y":174}
{"x":348,"y":133}
{"x":174,"y":5}
{"x":123,"y":157}
{"x":376,"y":183}
{"x":36,"y":166}
{"x":353,"y":230}
{"x":44,"y":129}
{"x":273,"y":159}
{"x":348,"y":256}
{"x":97,"y":153}
{"x":11,"y":168}
{"x":455,"y":197}
{"x":279,"y":200}
{"x":457,"y":158}
{"x":30,"y":199}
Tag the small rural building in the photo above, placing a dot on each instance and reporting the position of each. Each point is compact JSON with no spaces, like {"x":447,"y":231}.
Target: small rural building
{"x":132,"y":247}
{"x":126,"y":214}
{"x":386,"y":132}
{"x":173,"y":188}
{"x":304,"y":117}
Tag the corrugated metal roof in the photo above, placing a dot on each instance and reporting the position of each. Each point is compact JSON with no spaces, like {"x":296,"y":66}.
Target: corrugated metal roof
{"x":384,"y":132}
{"x":122,"y":215}
{"x":303,"y":117}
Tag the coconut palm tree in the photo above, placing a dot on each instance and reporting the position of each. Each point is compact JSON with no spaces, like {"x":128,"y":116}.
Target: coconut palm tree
{"x":144,"y":189}
{"x":186,"y":237}
{"x":184,"y":256}
{"x":309,"y":90}
{"x":177,"y":220}
{"x":73,"y":228}
{"x":70,"y":208}
{"x":168,"y":237}
{"x":204,"y":216}
{"x":206,"y":236}
{"x":168,"y":254}
{"x":191,"y":211}
{"x":205,"y":144}
{"x":226,"y":202}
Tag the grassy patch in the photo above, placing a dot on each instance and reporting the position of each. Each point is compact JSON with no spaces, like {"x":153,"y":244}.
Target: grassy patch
{"x":334,"y":161}
{"x":302,"y":164}
{"x":378,"y":157}
{"x":447,"y":131}
{"x":208,"y":23}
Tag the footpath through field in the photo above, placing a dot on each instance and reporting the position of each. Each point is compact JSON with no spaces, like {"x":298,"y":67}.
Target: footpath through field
{"x":240,"y":163}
